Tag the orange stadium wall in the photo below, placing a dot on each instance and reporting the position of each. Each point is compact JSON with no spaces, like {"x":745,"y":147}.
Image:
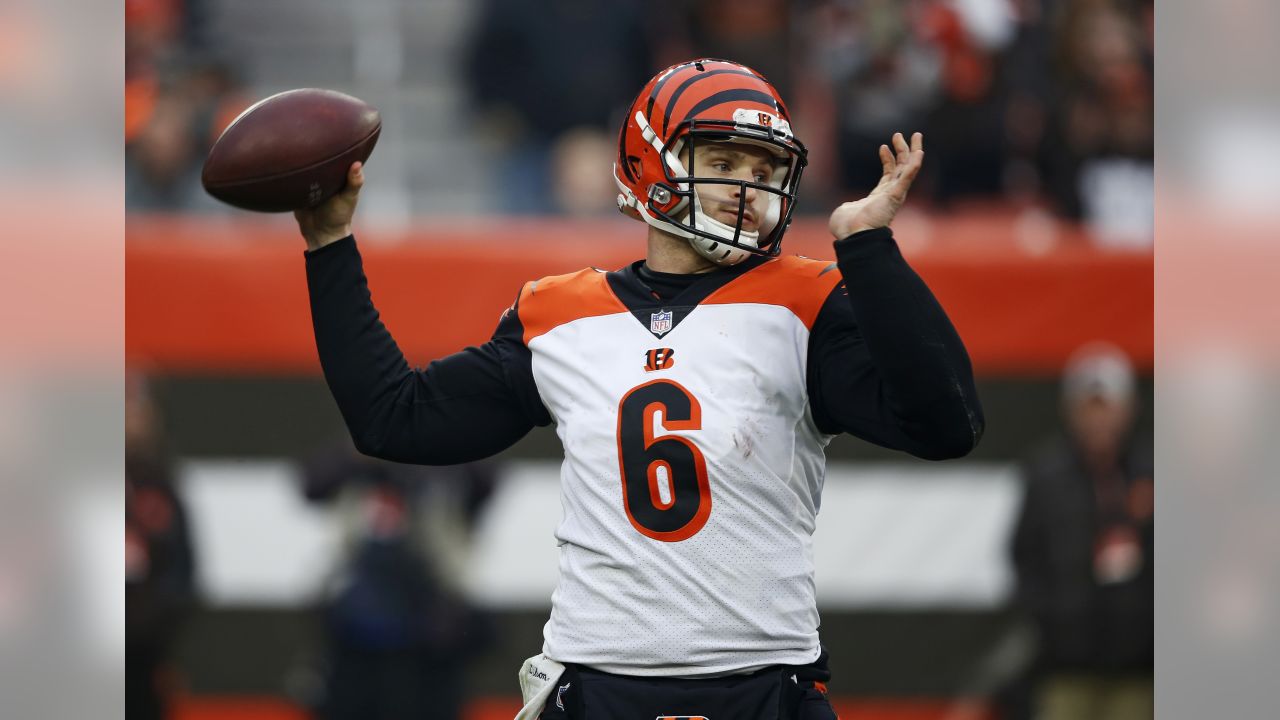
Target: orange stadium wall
{"x":227,"y":295}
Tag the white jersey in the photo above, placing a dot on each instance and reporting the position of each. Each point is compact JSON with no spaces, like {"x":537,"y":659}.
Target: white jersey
{"x":693,"y":468}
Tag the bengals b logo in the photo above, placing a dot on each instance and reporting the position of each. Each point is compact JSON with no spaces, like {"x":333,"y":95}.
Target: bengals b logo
{"x":659,"y":359}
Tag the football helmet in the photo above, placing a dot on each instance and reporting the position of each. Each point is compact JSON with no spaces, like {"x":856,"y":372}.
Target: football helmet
{"x":707,"y":101}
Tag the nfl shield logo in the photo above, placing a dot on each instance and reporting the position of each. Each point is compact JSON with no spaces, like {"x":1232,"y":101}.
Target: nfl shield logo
{"x":660,"y":322}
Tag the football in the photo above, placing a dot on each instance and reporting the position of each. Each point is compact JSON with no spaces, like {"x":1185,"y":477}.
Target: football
{"x":290,"y":151}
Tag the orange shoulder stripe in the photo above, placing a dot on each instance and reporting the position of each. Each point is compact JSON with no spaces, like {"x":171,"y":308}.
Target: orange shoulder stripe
{"x":799,"y":284}
{"x":553,"y":301}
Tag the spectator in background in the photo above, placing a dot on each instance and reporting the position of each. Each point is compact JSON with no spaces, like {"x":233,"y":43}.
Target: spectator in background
{"x":1101,"y":166}
{"x":1083,"y":550}
{"x":581,"y":179}
{"x":967,"y":38}
{"x":1025,"y":75}
{"x":883,"y":76}
{"x":539,"y":70}
{"x":162,"y":160}
{"x":398,"y":629}
{"x":756,"y":33}
{"x":159,"y":563}
{"x":179,"y":96}
{"x":173,"y":131}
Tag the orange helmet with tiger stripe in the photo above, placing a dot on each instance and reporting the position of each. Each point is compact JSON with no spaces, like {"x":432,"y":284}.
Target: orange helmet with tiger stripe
{"x":707,"y":101}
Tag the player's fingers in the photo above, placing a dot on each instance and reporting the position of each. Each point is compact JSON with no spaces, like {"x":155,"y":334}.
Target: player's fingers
{"x":916,"y":157}
{"x":910,"y":159}
{"x":886,"y":160}
{"x":355,"y":181}
{"x":900,"y":146}
{"x":909,"y":171}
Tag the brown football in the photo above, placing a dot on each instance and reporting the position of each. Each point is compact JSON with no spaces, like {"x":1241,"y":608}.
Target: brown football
{"x":290,"y":151}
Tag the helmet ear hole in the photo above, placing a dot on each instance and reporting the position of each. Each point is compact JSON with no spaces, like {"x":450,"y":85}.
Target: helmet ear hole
{"x":633,"y":163}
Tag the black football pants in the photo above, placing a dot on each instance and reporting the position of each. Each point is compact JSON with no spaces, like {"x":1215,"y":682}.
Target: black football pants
{"x":777,"y":693}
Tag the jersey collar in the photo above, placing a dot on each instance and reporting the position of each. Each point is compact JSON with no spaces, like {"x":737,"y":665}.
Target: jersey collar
{"x":647,"y":307}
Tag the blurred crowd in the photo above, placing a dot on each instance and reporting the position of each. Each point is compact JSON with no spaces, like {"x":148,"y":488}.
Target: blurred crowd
{"x":1027,"y":103}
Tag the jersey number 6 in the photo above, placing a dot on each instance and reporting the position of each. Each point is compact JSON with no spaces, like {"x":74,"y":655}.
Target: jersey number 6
{"x":664,"y":478}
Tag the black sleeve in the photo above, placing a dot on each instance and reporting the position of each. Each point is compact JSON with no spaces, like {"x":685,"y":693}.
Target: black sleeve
{"x":462,"y":407}
{"x":885,"y":363}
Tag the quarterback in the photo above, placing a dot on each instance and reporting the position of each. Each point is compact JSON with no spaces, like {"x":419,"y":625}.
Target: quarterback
{"x":694,"y":392}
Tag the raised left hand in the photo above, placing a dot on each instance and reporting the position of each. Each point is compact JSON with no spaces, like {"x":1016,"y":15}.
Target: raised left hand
{"x":877,"y":209}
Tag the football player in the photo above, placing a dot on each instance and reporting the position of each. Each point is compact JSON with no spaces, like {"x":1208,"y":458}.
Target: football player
{"x":694,"y":392}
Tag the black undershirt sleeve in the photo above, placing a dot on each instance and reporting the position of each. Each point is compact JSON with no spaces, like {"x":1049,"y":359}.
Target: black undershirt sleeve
{"x":460,"y":408}
{"x":885,"y":363}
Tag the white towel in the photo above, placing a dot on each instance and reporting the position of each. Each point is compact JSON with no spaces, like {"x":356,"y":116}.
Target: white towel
{"x":538,"y":676}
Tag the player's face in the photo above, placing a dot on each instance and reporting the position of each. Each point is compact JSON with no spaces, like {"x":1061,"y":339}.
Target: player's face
{"x":733,"y":161}
{"x":1099,"y":423}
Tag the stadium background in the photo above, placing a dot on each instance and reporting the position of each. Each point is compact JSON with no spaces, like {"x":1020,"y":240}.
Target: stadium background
{"x":1032,"y":223}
